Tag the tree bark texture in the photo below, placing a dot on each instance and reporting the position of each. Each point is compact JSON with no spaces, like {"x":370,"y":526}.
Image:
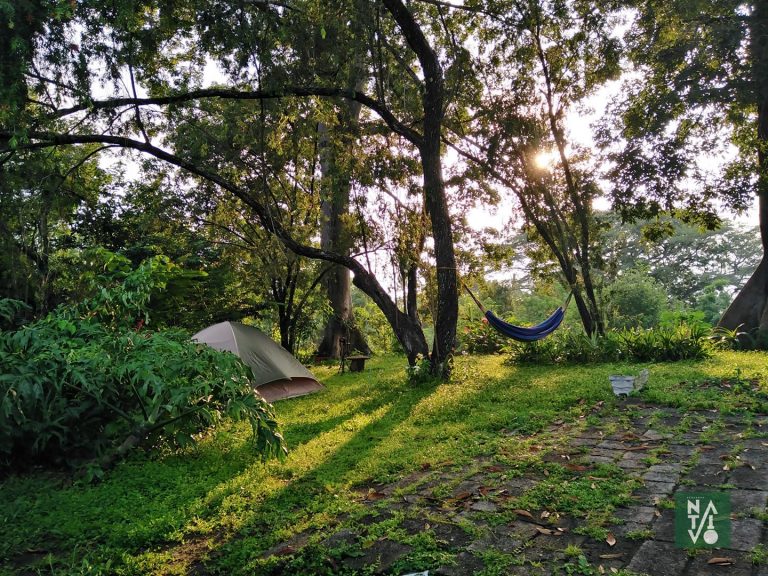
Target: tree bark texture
{"x":340,"y":335}
{"x":749,"y":310}
{"x":433,"y":98}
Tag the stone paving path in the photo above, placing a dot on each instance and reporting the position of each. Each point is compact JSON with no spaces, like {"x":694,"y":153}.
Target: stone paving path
{"x":466,"y":513}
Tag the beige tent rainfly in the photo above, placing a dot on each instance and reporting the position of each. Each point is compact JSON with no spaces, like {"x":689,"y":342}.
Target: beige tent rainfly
{"x":276,"y":374}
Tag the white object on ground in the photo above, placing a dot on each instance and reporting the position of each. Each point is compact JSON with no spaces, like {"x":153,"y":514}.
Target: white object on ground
{"x":627,"y":384}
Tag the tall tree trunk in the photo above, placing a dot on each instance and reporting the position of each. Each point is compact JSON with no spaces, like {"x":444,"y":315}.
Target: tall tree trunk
{"x":341,"y":334}
{"x":433,"y":100}
{"x":341,"y":331}
{"x":749,"y":310}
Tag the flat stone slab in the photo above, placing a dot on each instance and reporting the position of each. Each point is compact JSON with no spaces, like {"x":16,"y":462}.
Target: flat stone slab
{"x":612,"y":454}
{"x":659,"y":559}
{"x":654,"y":435}
{"x":664,"y":527}
{"x":671,"y":469}
{"x":585,"y":441}
{"x":601,"y":460}
{"x":682,"y":451}
{"x":451,"y":535}
{"x":746,"y":501}
{"x":655,"y":487}
{"x":745,"y":534}
{"x":630,"y":528}
{"x":661,"y":477}
{"x":746,"y":477}
{"x":637,"y":514}
{"x":484,"y":506}
{"x":612,"y":445}
{"x":707,"y":474}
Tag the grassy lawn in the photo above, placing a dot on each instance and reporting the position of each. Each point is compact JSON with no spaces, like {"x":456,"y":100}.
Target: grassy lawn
{"x":218,"y":503}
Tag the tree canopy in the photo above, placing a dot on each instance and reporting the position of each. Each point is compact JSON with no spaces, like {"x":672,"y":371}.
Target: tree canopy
{"x":273,"y":120}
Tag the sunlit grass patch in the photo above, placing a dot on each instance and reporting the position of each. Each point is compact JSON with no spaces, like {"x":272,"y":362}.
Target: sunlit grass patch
{"x":364,"y":429}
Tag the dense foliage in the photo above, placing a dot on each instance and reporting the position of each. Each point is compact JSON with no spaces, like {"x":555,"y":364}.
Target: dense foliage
{"x":661,"y":344}
{"x":88,"y":382}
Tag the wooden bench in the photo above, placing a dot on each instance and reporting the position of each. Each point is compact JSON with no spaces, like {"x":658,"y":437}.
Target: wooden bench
{"x":356,"y":363}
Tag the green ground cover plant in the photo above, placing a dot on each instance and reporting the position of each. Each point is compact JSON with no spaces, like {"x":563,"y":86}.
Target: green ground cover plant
{"x":85,"y":384}
{"x":219,"y":504}
{"x":660,"y":344}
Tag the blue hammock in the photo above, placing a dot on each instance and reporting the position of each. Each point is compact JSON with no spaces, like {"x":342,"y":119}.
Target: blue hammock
{"x":523,"y":333}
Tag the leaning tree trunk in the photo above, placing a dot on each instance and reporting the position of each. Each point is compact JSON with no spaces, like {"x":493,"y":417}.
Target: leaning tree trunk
{"x":749,"y":310}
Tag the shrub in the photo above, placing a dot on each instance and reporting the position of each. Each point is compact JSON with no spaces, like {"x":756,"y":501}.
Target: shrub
{"x":81,"y":384}
{"x":10,"y":310}
{"x":480,"y":338}
{"x":681,"y":342}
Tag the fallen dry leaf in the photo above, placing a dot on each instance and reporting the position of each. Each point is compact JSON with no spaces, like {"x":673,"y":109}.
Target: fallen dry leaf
{"x":610,"y":539}
{"x":494,"y":468}
{"x":577,"y":467}
{"x":523,"y":513}
{"x":545,"y":514}
{"x":374,"y":495}
{"x":460,"y":497}
{"x":547,"y":531}
{"x":720,"y":561}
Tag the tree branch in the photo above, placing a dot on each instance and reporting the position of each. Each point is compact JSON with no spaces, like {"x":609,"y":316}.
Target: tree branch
{"x":231,"y":94}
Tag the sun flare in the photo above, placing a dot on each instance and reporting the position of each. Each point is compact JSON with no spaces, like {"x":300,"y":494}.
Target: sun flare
{"x":545,"y":159}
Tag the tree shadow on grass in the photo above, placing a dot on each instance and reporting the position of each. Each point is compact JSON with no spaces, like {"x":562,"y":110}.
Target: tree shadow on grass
{"x":321,"y":489}
{"x":147,"y":498}
{"x":147,"y":504}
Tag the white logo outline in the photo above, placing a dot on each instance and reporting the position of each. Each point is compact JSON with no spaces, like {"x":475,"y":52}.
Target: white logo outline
{"x":706,"y":519}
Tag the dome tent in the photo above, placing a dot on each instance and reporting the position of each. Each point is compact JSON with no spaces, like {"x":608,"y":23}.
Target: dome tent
{"x":276,"y":373}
